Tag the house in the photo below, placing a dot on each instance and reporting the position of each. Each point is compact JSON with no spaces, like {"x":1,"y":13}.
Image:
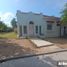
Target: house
{"x":37,"y":25}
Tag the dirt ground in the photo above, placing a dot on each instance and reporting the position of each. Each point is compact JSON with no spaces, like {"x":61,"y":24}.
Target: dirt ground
{"x":60,"y":42}
{"x":20,"y":47}
{"x":14,"y":47}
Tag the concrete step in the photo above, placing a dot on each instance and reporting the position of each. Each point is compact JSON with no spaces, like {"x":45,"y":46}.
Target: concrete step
{"x":41,"y":43}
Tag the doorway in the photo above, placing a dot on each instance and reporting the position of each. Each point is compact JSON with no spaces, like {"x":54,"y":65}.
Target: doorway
{"x":31,"y":29}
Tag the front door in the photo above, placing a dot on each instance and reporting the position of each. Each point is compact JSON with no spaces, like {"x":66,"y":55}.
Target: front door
{"x":31,"y":29}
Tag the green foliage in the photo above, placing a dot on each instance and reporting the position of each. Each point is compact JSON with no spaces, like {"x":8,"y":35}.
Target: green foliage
{"x":3,"y":27}
{"x":13,"y":23}
{"x":64,"y":15}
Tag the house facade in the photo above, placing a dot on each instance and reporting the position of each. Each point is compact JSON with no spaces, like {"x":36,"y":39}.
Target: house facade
{"x":37,"y":25}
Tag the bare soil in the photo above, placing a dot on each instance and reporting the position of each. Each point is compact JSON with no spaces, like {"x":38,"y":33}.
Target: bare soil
{"x":20,"y":47}
{"x":60,"y":42}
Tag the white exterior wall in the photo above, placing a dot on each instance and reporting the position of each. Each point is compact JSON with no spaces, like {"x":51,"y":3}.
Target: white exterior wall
{"x":55,"y":32}
{"x":25,"y":18}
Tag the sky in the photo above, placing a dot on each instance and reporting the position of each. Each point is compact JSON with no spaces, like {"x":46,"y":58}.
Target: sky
{"x":8,"y":8}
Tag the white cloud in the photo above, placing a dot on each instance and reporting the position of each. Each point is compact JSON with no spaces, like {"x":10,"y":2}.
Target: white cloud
{"x":6,"y":17}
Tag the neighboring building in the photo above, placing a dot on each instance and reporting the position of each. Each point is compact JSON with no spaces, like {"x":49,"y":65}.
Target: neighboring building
{"x":37,"y":25}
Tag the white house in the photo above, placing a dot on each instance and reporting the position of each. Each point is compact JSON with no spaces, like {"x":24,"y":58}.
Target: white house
{"x":37,"y":25}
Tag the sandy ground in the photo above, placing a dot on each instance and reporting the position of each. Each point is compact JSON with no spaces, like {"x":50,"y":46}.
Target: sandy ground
{"x":21,"y":47}
{"x":60,"y":42}
{"x":14,"y":47}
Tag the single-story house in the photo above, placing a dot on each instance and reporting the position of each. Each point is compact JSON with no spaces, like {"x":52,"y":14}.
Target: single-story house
{"x":37,"y":25}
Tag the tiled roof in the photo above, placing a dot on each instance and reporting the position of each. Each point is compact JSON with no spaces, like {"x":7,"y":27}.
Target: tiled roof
{"x":51,"y":18}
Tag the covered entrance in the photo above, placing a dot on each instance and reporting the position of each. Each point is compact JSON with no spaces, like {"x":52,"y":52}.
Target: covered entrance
{"x":31,"y":29}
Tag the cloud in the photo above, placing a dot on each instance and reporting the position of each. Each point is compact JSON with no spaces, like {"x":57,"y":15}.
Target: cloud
{"x":6,"y":17}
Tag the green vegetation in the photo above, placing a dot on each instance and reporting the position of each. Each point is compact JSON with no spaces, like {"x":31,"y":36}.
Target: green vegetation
{"x":64,"y":18}
{"x":14,"y":24}
{"x":7,"y":32}
{"x":64,"y":15}
{"x":3,"y":27}
{"x":8,"y":35}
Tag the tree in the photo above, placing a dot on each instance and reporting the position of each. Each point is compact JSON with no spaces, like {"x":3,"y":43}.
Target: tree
{"x":3,"y":27}
{"x":64,"y":18}
{"x":13,"y":23}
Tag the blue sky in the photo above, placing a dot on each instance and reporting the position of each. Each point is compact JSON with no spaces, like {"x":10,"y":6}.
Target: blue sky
{"x":8,"y":8}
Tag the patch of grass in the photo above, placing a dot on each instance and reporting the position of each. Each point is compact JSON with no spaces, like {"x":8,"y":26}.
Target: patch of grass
{"x":8,"y":35}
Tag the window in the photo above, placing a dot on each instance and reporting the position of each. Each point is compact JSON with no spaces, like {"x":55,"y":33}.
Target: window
{"x":49,"y":26}
{"x":58,"y":23}
{"x":20,"y":30}
{"x":25,"y":29}
{"x":40,"y":30}
{"x":36,"y":29}
{"x":31,"y":22}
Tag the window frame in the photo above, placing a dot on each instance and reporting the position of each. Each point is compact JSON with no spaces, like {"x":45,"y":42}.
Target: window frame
{"x":49,"y":26}
{"x":40,"y":29}
{"x":25,"y":29}
{"x":36,"y":29}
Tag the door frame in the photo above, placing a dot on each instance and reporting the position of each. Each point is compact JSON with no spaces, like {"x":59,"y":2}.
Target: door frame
{"x":31,"y":29}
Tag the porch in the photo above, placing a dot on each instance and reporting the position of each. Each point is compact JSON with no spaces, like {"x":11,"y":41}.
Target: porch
{"x":30,"y":31}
